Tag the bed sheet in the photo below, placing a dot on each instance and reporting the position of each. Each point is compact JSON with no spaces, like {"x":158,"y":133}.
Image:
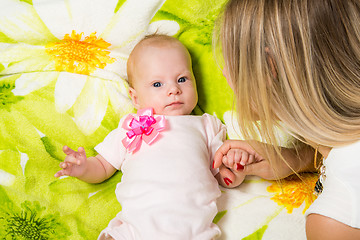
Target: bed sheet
{"x":62,"y":71}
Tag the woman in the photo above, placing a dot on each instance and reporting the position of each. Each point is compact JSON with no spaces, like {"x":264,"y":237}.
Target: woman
{"x":295,"y":64}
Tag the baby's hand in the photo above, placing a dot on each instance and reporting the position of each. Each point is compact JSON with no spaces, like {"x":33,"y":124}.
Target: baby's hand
{"x":236,"y":159}
{"x":74,"y":164}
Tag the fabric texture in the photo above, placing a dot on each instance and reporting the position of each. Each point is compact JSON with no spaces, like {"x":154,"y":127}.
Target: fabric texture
{"x":63,"y":82}
{"x":179,"y":163}
{"x":340,"y":198}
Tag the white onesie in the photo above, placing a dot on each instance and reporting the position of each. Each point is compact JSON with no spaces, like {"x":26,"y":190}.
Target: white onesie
{"x":167,"y":189}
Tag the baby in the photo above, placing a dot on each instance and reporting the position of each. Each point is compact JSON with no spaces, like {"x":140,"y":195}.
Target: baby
{"x":168,"y":189}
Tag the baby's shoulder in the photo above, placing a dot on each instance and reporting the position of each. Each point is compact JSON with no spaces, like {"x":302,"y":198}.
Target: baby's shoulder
{"x":211,"y":119}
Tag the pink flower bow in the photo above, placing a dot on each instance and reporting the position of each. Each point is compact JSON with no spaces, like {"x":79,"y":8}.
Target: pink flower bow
{"x":142,"y":126}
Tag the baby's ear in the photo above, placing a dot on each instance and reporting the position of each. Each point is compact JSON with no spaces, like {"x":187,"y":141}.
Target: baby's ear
{"x":134,"y":98}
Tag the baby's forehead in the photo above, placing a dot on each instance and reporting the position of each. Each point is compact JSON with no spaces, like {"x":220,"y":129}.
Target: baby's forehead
{"x":161,"y":43}
{"x":148,"y":45}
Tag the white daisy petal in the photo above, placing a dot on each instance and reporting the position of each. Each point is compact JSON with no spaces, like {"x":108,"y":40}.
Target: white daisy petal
{"x":96,"y":12}
{"x":52,"y":14}
{"x":119,"y":98}
{"x":29,"y":82}
{"x":39,"y":63}
{"x":24,"y":158}
{"x":164,"y":27}
{"x":68,"y":88}
{"x":119,"y":66}
{"x":79,"y":15}
{"x":20,"y":22}
{"x":18,"y":52}
{"x":244,"y":204}
{"x":6,"y":179}
{"x":107,"y":75}
{"x":131,"y":22}
{"x":90,"y":108}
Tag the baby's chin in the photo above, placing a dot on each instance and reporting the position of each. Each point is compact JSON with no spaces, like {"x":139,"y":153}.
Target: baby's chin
{"x":173,"y":112}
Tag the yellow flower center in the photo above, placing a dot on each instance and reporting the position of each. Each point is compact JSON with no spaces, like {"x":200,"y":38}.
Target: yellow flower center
{"x":292,"y":191}
{"x":72,"y":54}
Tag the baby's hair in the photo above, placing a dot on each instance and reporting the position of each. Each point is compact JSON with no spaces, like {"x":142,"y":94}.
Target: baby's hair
{"x":155,"y":39}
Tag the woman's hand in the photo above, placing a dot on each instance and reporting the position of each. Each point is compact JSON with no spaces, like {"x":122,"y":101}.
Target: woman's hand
{"x":237,"y":158}
{"x":261,"y":167}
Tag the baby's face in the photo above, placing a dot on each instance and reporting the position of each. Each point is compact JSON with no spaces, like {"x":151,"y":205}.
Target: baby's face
{"x":163,"y":79}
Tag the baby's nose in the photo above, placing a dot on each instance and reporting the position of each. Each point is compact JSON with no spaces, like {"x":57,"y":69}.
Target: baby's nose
{"x":174,"y":90}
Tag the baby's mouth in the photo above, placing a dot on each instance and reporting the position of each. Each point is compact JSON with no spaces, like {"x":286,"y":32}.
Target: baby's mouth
{"x":174,"y":104}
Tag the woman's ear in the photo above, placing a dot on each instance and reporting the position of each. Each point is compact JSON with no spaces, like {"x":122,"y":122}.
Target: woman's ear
{"x":134,"y":97}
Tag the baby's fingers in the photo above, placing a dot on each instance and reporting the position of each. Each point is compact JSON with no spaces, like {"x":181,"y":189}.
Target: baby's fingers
{"x":65,"y":165}
{"x":242,"y":159}
{"x":234,"y":158}
{"x":247,"y":159}
{"x":82,"y":154}
{"x":63,"y":172}
{"x":68,"y":150}
{"x":226,"y":161}
{"x":58,"y":174}
{"x":72,"y":159}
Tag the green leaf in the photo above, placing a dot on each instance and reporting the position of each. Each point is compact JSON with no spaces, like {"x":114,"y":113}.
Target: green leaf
{"x":104,"y":207}
{"x":3,"y":196}
{"x":53,"y":148}
{"x":27,"y":1}
{"x":219,"y":216}
{"x":6,"y":39}
{"x":257,"y":235}
{"x":10,"y":162}
{"x":32,"y":220}
{"x":118,"y":5}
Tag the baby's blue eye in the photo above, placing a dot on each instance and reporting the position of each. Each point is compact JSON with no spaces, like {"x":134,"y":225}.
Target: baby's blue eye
{"x":157,"y":84}
{"x":182,"y":79}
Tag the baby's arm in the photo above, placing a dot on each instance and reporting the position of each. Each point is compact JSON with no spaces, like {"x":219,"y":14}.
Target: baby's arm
{"x":92,"y":170}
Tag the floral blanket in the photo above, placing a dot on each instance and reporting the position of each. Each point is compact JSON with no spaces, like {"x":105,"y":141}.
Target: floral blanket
{"x":62,"y":71}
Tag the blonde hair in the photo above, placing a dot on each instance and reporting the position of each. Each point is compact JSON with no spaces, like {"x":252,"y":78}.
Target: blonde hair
{"x":294,"y":63}
{"x":156,"y":40}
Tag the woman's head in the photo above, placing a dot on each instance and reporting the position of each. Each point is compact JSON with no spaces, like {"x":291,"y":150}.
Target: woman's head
{"x":297,"y":61}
